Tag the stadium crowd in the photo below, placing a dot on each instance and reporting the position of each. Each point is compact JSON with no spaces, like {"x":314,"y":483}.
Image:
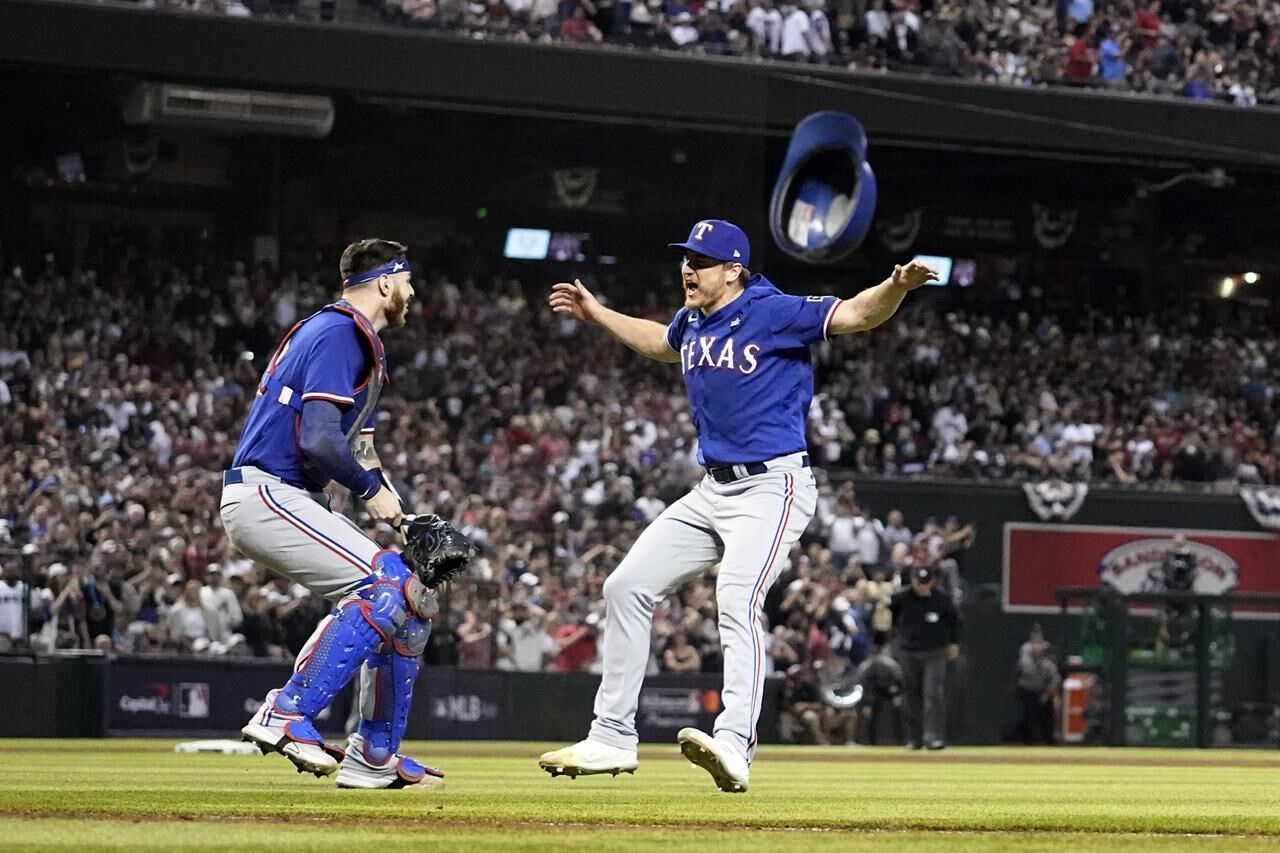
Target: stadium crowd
{"x":123,"y":384}
{"x":1223,"y":50}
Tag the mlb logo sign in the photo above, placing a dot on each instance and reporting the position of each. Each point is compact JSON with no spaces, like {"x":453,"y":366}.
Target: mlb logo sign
{"x":193,"y":700}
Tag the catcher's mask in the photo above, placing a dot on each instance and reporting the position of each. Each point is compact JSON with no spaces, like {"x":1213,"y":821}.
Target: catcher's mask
{"x":825,"y":195}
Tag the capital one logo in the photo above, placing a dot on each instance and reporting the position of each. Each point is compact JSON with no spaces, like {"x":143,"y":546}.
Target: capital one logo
{"x":701,"y":229}
{"x":157,"y":701}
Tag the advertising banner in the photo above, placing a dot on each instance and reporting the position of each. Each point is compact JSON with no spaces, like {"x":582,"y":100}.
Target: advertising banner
{"x":668,"y":705}
{"x":196,"y":694}
{"x":1040,"y":558}
{"x":219,"y":696}
{"x":460,"y":704}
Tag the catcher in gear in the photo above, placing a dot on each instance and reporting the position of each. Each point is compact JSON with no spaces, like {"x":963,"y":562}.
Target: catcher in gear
{"x":312,"y":422}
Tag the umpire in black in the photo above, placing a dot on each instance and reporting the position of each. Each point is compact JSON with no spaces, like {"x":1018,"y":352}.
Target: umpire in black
{"x":927,"y":629}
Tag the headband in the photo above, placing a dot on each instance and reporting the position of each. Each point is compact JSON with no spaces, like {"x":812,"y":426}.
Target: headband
{"x":398,"y":264}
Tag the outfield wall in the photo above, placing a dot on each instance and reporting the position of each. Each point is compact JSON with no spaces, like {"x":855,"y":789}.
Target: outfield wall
{"x":90,"y":696}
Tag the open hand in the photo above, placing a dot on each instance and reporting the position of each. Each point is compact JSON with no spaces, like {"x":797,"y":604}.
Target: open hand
{"x":913,"y":274}
{"x":575,"y":299}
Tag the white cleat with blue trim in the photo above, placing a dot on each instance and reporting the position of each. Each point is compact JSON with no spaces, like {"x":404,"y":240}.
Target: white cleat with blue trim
{"x":293,"y":736}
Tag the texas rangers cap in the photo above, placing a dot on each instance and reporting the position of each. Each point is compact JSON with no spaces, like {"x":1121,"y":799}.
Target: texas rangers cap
{"x":719,"y":239}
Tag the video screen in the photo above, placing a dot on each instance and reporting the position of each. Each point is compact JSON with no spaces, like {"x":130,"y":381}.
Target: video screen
{"x":940,"y":264}
{"x":568,"y":246}
{"x":527,"y":244}
{"x":959,"y":272}
{"x":963,"y":272}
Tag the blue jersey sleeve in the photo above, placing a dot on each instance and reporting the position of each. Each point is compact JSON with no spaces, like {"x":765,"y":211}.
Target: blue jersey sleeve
{"x":801,"y":320}
{"x":334,"y":364}
{"x":675,"y":331}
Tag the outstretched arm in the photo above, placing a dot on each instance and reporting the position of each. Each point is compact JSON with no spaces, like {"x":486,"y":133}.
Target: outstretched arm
{"x":644,"y":336}
{"x":876,"y":304}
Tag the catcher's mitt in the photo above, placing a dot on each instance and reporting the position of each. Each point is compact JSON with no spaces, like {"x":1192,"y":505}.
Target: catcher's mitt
{"x":435,"y":549}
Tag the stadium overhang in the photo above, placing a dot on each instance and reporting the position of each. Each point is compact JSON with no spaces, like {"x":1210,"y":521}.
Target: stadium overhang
{"x":627,"y":86}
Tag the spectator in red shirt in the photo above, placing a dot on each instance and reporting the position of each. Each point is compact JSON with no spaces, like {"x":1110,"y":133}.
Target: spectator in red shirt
{"x":1081,"y":59}
{"x":1147,"y":27}
{"x":578,"y":29}
{"x":576,"y":643}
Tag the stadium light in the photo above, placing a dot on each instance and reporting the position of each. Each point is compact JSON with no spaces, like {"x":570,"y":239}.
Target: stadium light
{"x":1228,"y":288}
{"x":1251,"y":278}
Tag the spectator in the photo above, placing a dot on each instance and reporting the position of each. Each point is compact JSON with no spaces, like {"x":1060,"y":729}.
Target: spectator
{"x":1112,"y":68}
{"x":765,"y":23}
{"x":796,"y":34}
{"x":578,"y":29}
{"x":1082,"y":58}
{"x":523,"y":645}
{"x":821,"y":45}
{"x":842,"y":538}
{"x":222,"y":603}
{"x":683,"y":32}
{"x":475,"y":642}
{"x":649,"y":506}
{"x":188,"y":622}
{"x":575,"y":643}
{"x":13,"y":600}
{"x":877,"y":592}
{"x":679,"y":656}
{"x":895,"y":530}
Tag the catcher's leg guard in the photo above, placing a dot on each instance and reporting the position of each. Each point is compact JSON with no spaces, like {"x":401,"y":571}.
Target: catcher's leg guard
{"x":361,"y":621}
{"x":373,"y":759}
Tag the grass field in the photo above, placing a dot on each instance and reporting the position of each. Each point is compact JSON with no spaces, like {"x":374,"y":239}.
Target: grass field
{"x":140,"y":795}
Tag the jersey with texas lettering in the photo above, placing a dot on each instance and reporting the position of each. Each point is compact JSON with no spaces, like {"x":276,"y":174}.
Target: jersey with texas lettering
{"x":748,"y":372}
{"x":325,"y":357}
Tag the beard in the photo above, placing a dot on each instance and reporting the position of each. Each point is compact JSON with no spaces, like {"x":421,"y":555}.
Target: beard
{"x":397,"y":311}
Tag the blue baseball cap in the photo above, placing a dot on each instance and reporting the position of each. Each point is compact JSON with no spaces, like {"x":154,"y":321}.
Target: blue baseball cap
{"x":719,"y":239}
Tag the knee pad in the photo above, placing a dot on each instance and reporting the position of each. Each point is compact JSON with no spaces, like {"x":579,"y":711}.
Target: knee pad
{"x":387,"y":690}
{"x":393,"y":577}
{"x":342,"y":644}
{"x":370,"y":616}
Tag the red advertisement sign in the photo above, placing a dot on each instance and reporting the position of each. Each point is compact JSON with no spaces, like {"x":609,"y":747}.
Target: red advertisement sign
{"x":1039,"y":558}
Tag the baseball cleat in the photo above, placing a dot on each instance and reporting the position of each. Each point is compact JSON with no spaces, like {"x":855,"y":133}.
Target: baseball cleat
{"x":397,"y":773}
{"x":726,"y":766}
{"x":588,"y":758}
{"x":293,"y":736}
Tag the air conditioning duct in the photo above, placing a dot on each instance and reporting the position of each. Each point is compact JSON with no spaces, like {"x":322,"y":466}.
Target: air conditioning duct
{"x":229,"y":110}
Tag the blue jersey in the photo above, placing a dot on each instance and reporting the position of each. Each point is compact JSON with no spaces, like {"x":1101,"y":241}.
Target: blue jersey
{"x":748,"y":372}
{"x":331,"y":355}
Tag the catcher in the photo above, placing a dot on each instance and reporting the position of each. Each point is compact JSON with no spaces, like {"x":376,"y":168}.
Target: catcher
{"x":312,"y":423}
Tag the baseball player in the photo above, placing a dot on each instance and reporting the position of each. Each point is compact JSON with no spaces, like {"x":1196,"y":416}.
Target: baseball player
{"x":313,"y":422}
{"x":743,"y":347}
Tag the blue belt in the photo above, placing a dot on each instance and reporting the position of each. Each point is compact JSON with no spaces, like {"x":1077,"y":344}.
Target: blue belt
{"x":732,"y":473}
{"x":253,"y":476}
